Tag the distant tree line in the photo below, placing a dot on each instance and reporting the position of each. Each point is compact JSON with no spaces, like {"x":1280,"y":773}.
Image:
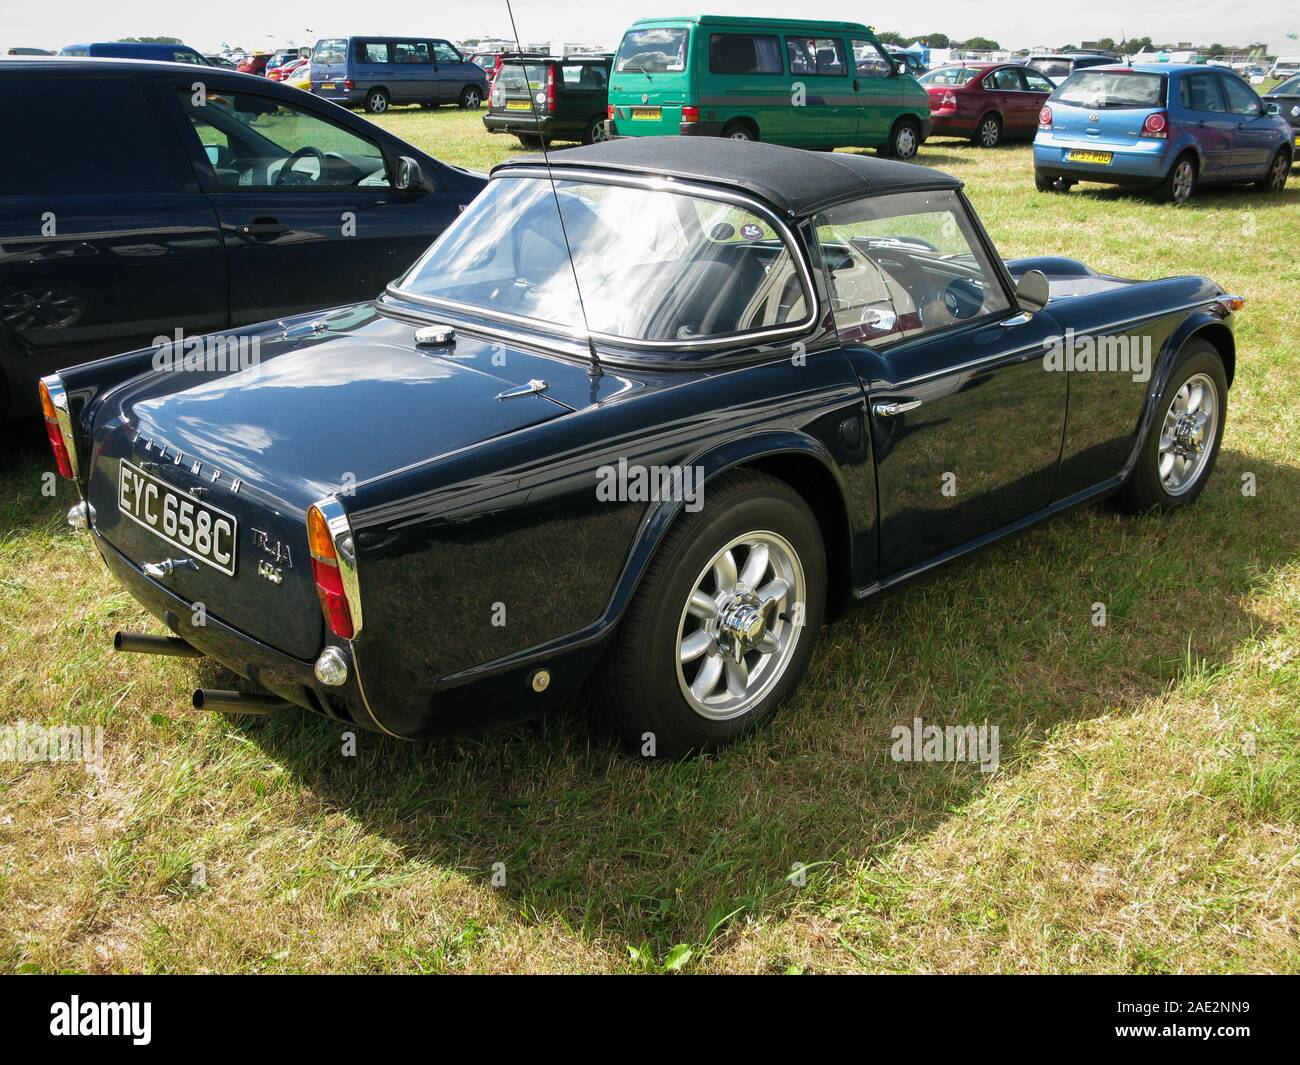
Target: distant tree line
{"x":1131,"y":46}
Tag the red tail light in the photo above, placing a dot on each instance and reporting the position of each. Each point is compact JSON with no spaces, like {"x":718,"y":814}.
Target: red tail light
{"x":329,"y":578}
{"x":609,"y":112}
{"x":1045,"y":117}
{"x":690,"y":114}
{"x":54,"y":430}
{"x":550,"y":89}
{"x":1156,"y":125}
{"x":349,"y":84}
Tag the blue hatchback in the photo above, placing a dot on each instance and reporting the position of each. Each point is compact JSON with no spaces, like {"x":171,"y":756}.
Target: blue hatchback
{"x":1166,"y":126}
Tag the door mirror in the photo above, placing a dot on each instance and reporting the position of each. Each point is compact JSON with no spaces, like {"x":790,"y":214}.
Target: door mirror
{"x":901,"y":68}
{"x":1272,"y":108}
{"x":1032,"y":291}
{"x":411,"y":176}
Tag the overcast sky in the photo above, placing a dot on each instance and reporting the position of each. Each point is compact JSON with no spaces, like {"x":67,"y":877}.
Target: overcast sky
{"x":256,"y":23}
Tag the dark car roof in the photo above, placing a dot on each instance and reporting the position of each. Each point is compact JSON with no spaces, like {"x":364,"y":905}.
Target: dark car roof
{"x":61,"y":66}
{"x":790,"y":179}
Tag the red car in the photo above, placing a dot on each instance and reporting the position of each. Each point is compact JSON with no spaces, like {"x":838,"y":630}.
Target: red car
{"x":986,"y":102}
{"x":285,"y":70}
{"x":254,"y":64}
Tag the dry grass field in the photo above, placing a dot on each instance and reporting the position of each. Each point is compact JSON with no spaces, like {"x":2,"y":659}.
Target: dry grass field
{"x":1143,"y":818}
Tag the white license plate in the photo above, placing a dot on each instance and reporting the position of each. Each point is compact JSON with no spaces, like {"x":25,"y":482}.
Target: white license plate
{"x":203,"y":532}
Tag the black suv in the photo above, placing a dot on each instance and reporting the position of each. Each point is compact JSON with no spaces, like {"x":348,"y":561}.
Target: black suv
{"x":138,"y":198}
{"x":558,"y":99}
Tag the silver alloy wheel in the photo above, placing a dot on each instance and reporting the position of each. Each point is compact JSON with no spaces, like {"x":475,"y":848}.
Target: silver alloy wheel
{"x":905,"y":143}
{"x":471,"y":100}
{"x":599,"y":132}
{"x":740,"y":625}
{"x":1188,"y":434}
{"x":1184,"y":176}
{"x":739,"y":134}
{"x":1277,"y":176}
{"x":378,"y":103}
{"x":989,"y":133}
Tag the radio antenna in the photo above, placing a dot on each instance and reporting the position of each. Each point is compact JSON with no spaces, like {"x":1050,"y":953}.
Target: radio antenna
{"x":594,"y":370}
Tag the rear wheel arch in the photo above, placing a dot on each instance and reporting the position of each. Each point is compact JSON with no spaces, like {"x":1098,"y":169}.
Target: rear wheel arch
{"x":742,"y":122}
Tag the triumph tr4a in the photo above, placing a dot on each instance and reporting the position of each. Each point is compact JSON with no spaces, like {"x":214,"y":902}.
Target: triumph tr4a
{"x":650,"y":417}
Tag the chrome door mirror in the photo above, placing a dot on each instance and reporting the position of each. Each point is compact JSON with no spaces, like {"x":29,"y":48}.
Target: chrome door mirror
{"x":1032,"y":291}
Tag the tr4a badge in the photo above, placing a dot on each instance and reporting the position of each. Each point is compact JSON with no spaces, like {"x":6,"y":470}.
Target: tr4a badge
{"x":275,"y":550}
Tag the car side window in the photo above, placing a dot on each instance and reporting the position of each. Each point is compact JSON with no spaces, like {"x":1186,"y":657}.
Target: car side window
{"x":1007,"y":79}
{"x":1241,"y":100}
{"x":89,"y":135}
{"x":373,"y":52}
{"x":585,"y":77}
{"x":257,"y":142}
{"x":1200,"y":92}
{"x":445,"y":53}
{"x":411,"y":52}
{"x":869,"y":61}
{"x":815,"y":56}
{"x":744,"y":53}
{"x":1036,"y":81}
{"x":905,"y":265}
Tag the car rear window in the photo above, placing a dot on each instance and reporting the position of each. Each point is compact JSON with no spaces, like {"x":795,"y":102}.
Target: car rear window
{"x":522,"y":77}
{"x":654,"y":51}
{"x":949,"y":76}
{"x":1053,"y":68}
{"x":1101,"y":89}
{"x":330,"y":51}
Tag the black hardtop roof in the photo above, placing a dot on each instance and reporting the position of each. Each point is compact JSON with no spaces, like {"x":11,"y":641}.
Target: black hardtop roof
{"x":792,"y":180}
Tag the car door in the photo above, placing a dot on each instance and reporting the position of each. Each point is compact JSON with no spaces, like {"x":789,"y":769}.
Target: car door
{"x":966,"y":420}
{"x":828,"y":114}
{"x":1211,"y":124}
{"x":1019,"y":110}
{"x":451,"y":72}
{"x":106,"y":241}
{"x":308,"y":212}
{"x":876,"y":88}
{"x":413,"y":74}
{"x":1255,"y":138}
{"x":1040,"y":88}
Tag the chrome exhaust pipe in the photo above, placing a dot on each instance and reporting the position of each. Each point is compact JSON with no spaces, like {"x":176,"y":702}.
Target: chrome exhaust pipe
{"x":228,"y":702}
{"x":143,"y":644}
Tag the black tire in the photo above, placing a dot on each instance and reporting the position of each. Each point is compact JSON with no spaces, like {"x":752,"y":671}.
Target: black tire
{"x":1279,"y":169}
{"x":529,"y":140}
{"x":1179,"y":184}
{"x":988,"y":134}
{"x":1145,"y":489}
{"x":471,"y":98}
{"x":596,"y":131}
{"x":377,"y":101}
{"x":740,"y":130}
{"x":904,"y":141}
{"x":642,"y":681}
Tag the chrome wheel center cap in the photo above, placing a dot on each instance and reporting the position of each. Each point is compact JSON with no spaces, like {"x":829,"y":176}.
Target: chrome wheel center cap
{"x":742,"y":624}
{"x":1190,"y":433}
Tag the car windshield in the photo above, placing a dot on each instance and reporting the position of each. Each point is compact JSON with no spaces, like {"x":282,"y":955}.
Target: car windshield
{"x":653,"y":265}
{"x":652,"y":51}
{"x":1290,"y":87}
{"x":948,"y":76}
{"x":1112,"y":89}
{"x":331,"y":51}
{"x":1053,"y":68}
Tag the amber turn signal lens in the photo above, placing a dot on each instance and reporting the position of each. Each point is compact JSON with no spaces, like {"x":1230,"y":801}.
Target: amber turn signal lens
{"x":55,"y":434}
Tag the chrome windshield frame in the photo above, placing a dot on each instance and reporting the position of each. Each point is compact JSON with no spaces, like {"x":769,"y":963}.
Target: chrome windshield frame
{"x":744,"y":339}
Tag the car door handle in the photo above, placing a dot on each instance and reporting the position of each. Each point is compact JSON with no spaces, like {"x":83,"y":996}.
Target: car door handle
{"x":266,"y":227}
{"x":855,"y":84}
{"x":888,"y":410}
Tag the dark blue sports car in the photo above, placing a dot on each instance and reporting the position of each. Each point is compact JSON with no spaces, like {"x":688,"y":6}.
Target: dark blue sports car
{"x":650,"y":417}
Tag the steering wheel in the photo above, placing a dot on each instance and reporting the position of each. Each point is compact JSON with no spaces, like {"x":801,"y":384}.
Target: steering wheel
{"x":287,"y":166}
{"x":905,"y":270}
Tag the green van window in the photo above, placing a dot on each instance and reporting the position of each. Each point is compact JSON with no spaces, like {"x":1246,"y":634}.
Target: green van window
{"x":653,"y":51}
{"x":815,"y":55}
{"x":744,"y":53}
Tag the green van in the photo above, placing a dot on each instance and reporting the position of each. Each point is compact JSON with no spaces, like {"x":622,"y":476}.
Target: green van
{"x":788,"y":81}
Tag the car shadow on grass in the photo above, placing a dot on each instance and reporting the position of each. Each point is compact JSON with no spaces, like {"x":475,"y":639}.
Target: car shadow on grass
{"x":627,"y":850}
